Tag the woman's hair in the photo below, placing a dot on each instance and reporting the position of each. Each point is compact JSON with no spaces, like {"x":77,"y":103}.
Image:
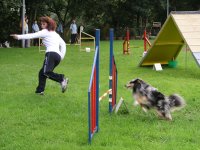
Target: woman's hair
{"x":51,"y":24}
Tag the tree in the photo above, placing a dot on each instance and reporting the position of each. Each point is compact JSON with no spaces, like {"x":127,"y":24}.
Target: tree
{"x":65,"y":10}
{"x":184,"y":5}
{"x":35,"y":9}
{"x":10,"y":18}
{"x":92,"y":14}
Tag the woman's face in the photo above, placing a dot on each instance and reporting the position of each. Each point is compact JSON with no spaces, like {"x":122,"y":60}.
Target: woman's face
{"x":43,"y":25}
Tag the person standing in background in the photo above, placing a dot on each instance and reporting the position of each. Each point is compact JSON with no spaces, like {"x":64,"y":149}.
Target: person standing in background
{"x":25,"y":30}
{"x":27,"y":42}
{"x":73,"y":28}
{"x":60,"y":29}
{"x":35,"y":28}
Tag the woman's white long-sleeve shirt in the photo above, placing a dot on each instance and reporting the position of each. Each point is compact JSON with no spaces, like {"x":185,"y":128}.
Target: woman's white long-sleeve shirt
{"x":51,"y":40}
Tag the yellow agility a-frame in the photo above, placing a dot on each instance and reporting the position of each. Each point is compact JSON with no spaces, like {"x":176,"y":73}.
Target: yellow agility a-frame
{"x":180,"y":28}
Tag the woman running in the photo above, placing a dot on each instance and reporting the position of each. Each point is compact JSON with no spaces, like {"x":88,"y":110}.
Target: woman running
{"x":55,"y":52}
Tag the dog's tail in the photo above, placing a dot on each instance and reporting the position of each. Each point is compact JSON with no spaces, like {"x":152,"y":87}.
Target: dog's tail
{"x":176,"y":102}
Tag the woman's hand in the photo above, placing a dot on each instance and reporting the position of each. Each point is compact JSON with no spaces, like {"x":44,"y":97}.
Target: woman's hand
{"x":14,"y":36}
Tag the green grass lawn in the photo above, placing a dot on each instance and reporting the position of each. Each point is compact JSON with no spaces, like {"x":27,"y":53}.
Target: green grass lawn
{"x":60,"y":121}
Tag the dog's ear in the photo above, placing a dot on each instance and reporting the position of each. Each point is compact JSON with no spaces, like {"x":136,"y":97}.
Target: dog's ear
{"x":134,"y":80}
{"x":140,"y":81}
{"x":132,"y":83}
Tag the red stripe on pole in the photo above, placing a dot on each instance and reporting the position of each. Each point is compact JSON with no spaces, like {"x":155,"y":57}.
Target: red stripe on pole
{"x":145,"y":42}
{"x":93,"y":108}
{"x":95,"y":98}
{"x":92,"y":101}
{"x":91,"y":115}
{"x":93,"y":104}
{"x":113,"y":84}
{"x":113,"y":90}
{"x":127,"y":35}
{"x":91,"y":123}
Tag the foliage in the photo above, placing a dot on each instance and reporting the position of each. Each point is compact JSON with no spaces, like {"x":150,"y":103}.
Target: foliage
{"x":92,"y":14}
{"x":10,"y":18}
{"x":35,"y":9}
{"x":66,"y":10}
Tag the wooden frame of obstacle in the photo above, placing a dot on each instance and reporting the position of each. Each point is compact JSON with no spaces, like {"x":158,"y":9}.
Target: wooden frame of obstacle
{"x":39,"y":46}
{"x":86,"y":38}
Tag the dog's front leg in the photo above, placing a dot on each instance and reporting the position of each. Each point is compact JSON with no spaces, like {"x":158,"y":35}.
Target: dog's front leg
{"x":165,"y":116}
{"x":168,"y":116}
{"x":144,"y":108}
{"x":135,"y":103}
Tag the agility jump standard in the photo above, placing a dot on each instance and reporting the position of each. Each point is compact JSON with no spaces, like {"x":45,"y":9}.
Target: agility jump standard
{"x":113,"y":76}
{"x":93,"y":91}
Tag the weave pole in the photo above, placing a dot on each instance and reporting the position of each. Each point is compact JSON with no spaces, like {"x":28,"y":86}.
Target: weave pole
{"x":112,"y":76}
{"x":93,"y":92}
